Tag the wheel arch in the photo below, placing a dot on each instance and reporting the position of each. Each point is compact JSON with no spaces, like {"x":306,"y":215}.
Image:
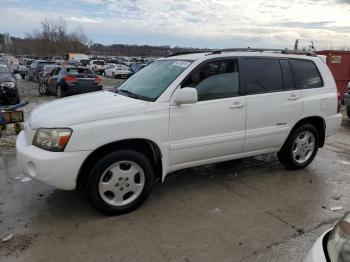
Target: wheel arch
{"x":147,"y":147}
{"x":318,"y":122}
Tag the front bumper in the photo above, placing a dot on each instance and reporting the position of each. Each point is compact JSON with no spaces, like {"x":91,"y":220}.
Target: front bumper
{"x":57,"y":169}
{"x":347,"y":99}
{"x":317,"y":253}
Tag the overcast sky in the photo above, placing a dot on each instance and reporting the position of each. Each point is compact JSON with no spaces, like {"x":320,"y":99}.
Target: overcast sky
{"x":192,"y":23}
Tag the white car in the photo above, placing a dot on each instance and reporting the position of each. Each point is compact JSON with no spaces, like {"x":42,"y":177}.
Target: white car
{"x":98,"y":66}
{"x":180,"y":112}
{"x":333,"y":245}
{"x":117,"y":71}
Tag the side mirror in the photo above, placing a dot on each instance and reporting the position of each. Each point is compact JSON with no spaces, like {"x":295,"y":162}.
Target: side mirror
{"x":186,"y":95}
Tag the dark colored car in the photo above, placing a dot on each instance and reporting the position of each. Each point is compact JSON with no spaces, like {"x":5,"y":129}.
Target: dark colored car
{"x":137,"y":67}
{"x":71,"y":80}
{"x":8,"y":85}
{"x":35,"y":69}
{"x":44,"y":77}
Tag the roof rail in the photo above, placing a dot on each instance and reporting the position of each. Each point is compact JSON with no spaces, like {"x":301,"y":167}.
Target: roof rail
{"x":187,"y":53}
{"x":282,"y":51}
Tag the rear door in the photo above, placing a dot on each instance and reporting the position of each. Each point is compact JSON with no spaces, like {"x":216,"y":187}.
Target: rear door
{"x":273,"y":102}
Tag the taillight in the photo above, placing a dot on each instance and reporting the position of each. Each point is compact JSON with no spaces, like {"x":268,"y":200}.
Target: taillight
{"x":98,"y":80}
{"x":339,"y":103}
{"x":70,"y":79}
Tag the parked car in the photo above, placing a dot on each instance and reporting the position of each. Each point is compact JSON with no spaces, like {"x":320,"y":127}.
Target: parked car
{"x":22,"y":69}
{"x":179,"y":112}
{"x":70,"y":80}
{"x":44,"y":77}
{"x":98,"y":66}
{"x":333,"y":245}
{"x":117,"y":71}
{"x":8,"y":85}
{"x":137,"y":67}
{"x":35,"y":69}
{"x":347,"y":101}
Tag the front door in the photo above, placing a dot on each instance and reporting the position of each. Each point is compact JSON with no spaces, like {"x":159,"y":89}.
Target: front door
{"x":212,"y":129}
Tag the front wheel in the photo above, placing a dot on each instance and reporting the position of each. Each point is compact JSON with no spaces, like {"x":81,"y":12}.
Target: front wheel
{"x":348,"y":111}
{"x":42,"y":89}
{"x":120,"y":182}
{"x":300,"y":148}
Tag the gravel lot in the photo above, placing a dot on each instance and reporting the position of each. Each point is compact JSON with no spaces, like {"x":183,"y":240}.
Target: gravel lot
{"x":244,"y":210}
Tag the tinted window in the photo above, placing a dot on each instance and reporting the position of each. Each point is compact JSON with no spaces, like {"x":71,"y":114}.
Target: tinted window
{"x":306,"y":74}
{"x":263,"y":75}
{"x":215,"y":80}
{"x":288,"y":79}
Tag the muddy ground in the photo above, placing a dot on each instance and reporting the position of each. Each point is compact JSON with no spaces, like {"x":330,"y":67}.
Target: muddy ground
{"x":244,"y":210}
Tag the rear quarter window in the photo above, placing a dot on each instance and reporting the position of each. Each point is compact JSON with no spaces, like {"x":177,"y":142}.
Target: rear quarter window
{"x":306,"y":74}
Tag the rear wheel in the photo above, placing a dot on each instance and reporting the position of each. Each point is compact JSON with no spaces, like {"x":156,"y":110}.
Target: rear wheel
{"x":300,"y":148}
{"x":348,"y":111}
{"x":23,"y":76}
{"x":113,"y":76}
{"x":120,"y":182}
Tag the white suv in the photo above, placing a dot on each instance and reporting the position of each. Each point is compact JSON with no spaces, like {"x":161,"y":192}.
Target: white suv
{"x":181,"y":111}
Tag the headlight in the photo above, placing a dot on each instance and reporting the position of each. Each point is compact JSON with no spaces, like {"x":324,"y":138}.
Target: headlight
{"x":52,"y":139}
{"x":8,"y":84}
{"x":338,"y":245}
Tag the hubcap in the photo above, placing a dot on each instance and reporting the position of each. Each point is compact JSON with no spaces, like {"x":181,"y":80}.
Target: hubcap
{"x":121,"y":183}
{"x":303,"y":147}
{"x":43,"y":88}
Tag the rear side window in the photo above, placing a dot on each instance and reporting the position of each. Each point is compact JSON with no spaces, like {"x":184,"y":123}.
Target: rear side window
{"x":215,"y":80}
{"x":288,"y":79}
{"x":306,"y":74}
{"x":262,"y":75}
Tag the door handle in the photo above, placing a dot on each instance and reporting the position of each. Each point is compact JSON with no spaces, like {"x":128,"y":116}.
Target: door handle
{"x":293,"y":97}
{"x":236,"y":105}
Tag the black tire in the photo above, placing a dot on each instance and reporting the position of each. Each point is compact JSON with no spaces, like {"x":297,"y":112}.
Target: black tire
{"x":42,"y":89}
{"x":348,"y":111}
{"x":102,"y":165}
{"x":285,"y":155}
{"x":113,"y":76}
{"x":23,"y":76}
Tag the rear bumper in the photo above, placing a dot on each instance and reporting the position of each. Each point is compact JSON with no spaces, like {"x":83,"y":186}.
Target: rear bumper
{"x":81,"y":89}
{"x":57,"y":169}
{"x":333,"y":123}
{"x":347,"y":99}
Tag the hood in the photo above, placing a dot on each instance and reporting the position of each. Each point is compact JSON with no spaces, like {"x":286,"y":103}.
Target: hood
{"x":69,"y":111}
{"x":6,"y":77}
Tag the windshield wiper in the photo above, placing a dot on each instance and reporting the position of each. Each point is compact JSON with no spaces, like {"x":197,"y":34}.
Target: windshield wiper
{"x":130,"y":94}
{"x":133,"y":95}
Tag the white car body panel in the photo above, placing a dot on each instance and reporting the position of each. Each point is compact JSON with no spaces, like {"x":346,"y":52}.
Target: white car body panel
{"x":187,"y":135}
{"x":316,"y":253}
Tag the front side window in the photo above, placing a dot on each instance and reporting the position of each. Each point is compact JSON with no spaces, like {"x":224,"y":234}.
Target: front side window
{"x":152,"y":81}
{"x":263,"y":75}
{"x":214,"y":80}
{"x":306,"y":74}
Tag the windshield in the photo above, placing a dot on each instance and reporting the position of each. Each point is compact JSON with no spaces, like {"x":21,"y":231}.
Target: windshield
{"x":3,"y":67}
{"x":153,"y":80}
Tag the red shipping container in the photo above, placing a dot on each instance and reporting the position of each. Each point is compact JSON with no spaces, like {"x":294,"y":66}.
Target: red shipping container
{"x":339,"y":64}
